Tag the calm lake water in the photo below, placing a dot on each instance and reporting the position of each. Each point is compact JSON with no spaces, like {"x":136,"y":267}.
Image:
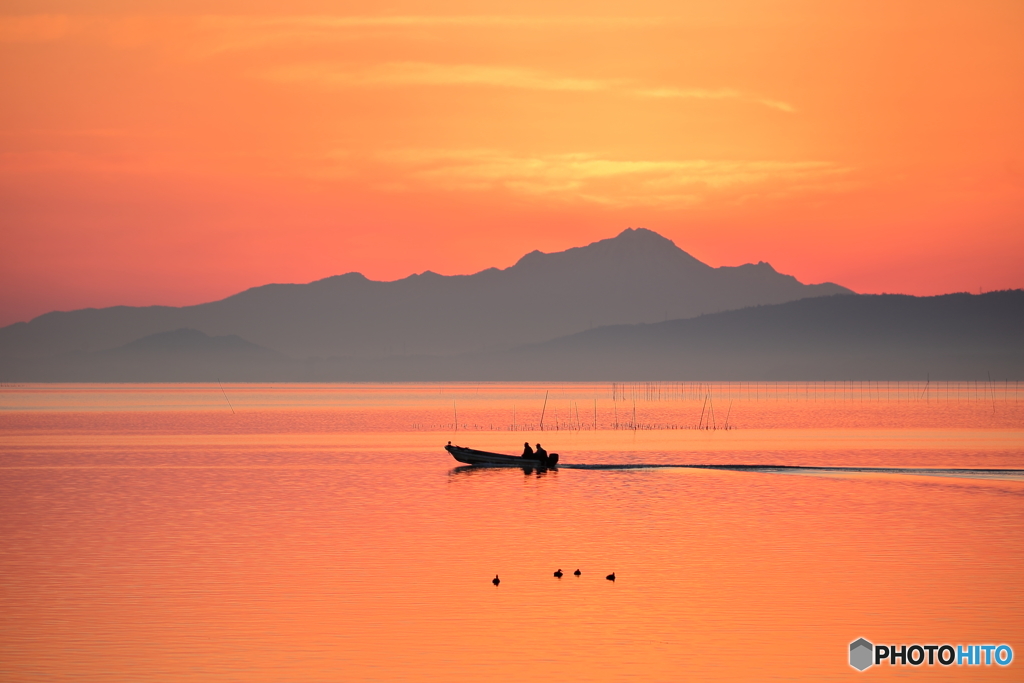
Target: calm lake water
{"x":320,"y":532}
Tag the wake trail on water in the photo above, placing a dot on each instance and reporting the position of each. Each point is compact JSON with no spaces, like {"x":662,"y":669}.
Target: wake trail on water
{"x":974,"y":473}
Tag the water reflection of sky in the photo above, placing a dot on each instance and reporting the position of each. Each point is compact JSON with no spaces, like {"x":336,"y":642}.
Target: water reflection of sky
{"x":316,"y":535}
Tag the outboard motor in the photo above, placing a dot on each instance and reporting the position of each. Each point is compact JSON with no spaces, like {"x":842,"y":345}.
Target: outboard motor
{"x":552,"y":459}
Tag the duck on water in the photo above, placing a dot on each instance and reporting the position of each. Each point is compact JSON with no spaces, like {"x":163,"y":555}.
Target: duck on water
{"x":535,"y":458}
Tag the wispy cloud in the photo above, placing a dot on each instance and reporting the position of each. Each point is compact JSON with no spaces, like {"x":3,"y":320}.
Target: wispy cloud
{"x":419,"y":73}
{"x":207,"y":35}
{"x":775,"y":104}
{"x":591,"y":178}
{"x":693,"y":93}
{"x":288,"y":24}
{"x":716,"y":94}
{"x":211,"y":34}
{"x":433,"y":74}
{"x":228,"y":33}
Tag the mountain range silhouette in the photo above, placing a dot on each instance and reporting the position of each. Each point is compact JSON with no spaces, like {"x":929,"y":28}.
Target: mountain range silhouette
{"x":638,"y":276}
{"x":632,"y":307}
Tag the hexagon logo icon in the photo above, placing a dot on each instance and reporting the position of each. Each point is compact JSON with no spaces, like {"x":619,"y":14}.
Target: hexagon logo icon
{"x":860,"y":654}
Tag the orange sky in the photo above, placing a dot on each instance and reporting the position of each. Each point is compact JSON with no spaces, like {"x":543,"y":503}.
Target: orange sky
{"x":188,"y":152}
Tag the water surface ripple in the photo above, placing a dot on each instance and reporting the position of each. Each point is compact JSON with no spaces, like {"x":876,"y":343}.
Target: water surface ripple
{"x":320,"y":532}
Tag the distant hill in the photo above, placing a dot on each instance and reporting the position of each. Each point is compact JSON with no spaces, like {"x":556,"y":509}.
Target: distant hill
{"x":178,"y":356}
{"x":636,"y":277}
{"x":860,"y":337}
{"x":955,"y":336}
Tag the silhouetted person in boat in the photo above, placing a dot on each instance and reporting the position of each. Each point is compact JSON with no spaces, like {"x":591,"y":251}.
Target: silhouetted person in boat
{"x":527,"y":451}
{"x":541,"y":454}
{"x":495,"y":580}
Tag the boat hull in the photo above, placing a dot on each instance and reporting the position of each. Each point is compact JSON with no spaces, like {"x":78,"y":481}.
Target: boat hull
{"x":471,"y":456}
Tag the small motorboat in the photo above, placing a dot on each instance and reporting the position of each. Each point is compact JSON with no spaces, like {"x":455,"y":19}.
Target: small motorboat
{"x":471,"y":456}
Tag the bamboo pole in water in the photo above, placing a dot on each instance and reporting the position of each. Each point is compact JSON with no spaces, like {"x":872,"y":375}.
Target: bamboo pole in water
{"x":226,"y":396}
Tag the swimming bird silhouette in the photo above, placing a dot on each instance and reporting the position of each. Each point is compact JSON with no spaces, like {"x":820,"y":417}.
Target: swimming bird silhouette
{"x":495,"y":580}
{"x":611,"y":577}
{"x":559,"y":573}
{"x":577,"y":572}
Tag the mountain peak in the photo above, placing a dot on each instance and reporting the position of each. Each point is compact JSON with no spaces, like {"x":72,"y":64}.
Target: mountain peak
{"x":631,"y":248}
{"x":638,"y":234}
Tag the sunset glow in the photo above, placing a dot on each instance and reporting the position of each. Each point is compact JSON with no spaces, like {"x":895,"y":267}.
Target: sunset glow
{"x":182,"y":153}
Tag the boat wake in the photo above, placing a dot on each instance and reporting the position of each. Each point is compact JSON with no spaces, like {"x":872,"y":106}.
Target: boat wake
{"x":973,"y":473}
